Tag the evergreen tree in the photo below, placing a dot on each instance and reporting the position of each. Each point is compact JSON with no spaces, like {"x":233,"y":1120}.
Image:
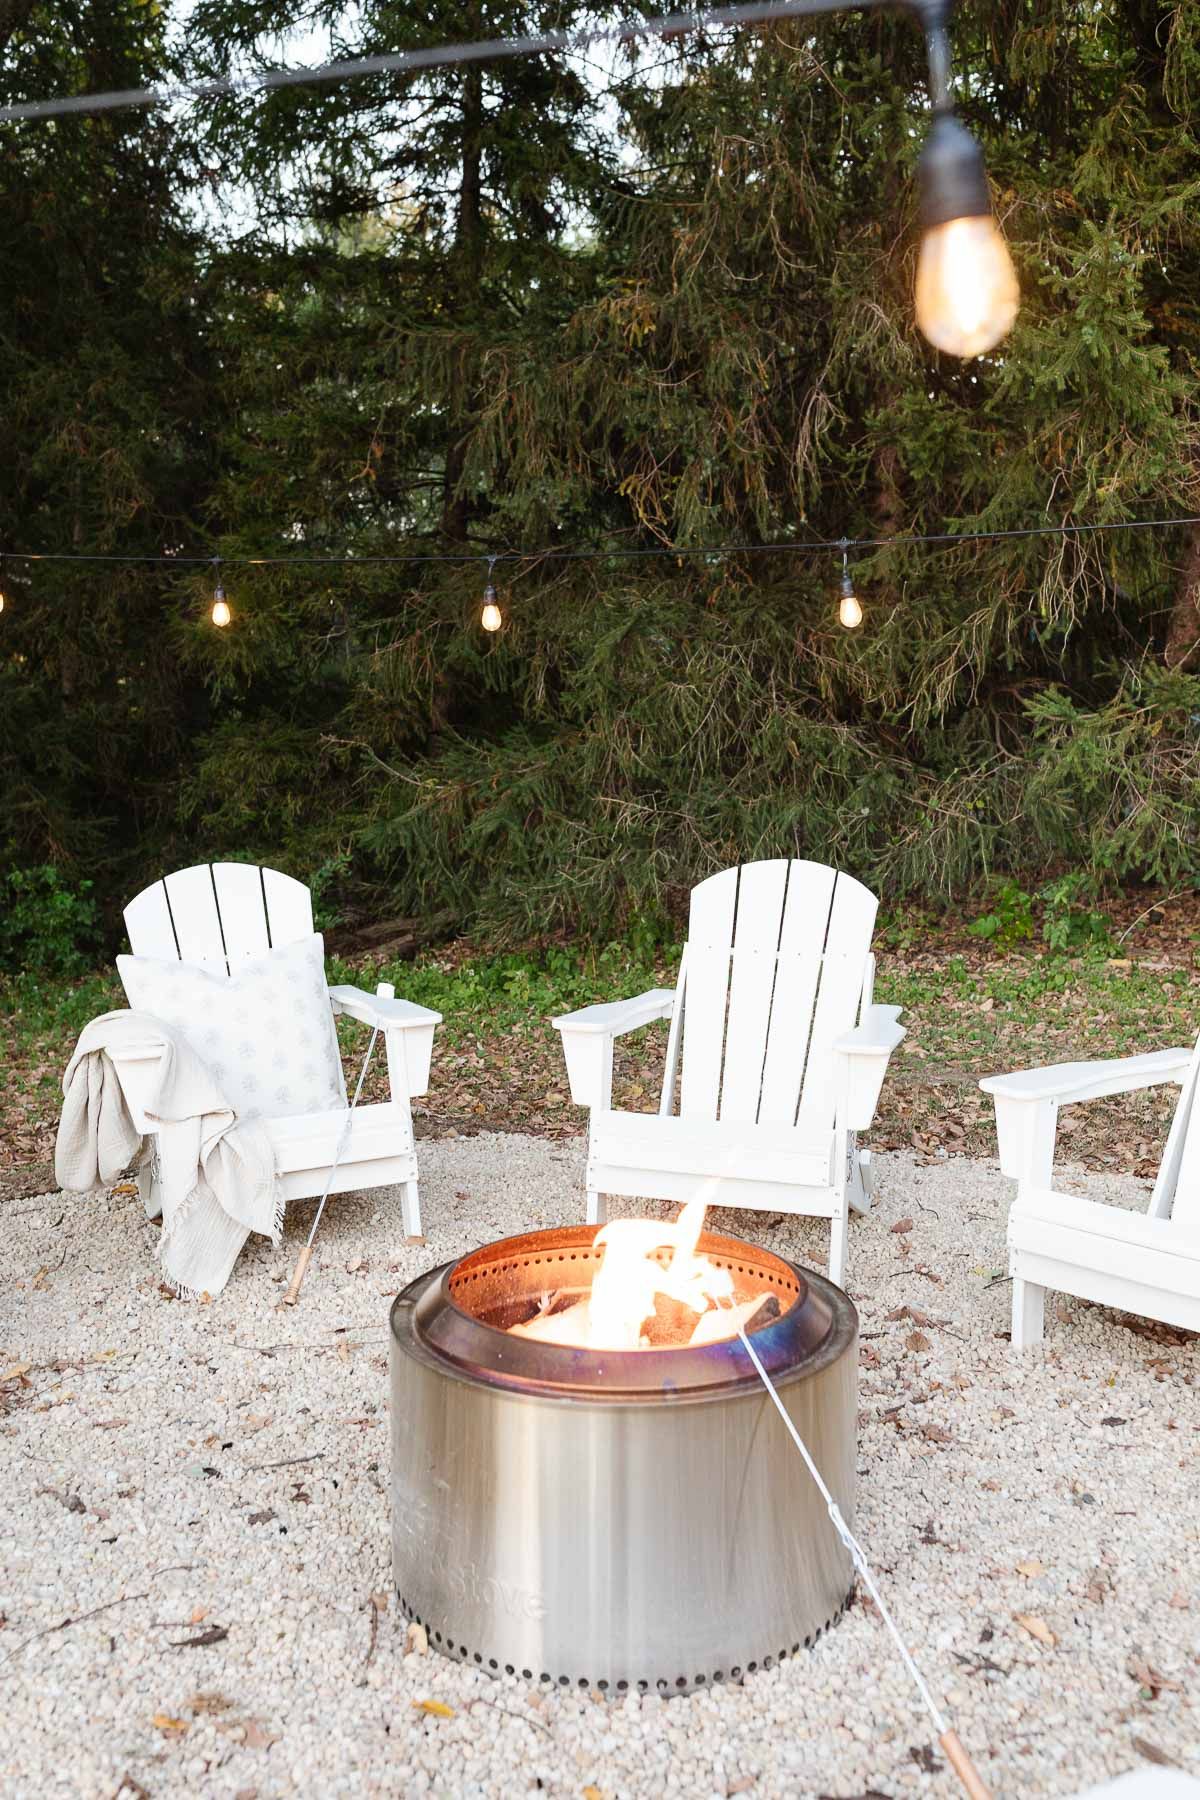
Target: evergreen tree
{"x":661,"y":301}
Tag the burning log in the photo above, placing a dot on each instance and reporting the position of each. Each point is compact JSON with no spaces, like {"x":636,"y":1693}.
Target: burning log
{"x":672,"y":1322}
{"x":723,"y":1321}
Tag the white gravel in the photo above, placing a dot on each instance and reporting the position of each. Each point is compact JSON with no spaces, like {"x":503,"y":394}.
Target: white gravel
{"x":1060,"y":1486}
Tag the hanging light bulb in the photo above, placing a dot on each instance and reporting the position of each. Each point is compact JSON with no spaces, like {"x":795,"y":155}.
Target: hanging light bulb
{"x":491,"y":618}
{"x":850,"y":612}
{"x":220,"y":614}
{"x":967,"y":294}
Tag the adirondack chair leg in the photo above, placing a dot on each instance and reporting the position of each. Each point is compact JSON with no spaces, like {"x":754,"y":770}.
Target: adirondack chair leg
{"x":597,"y":1207}
{"x":862,"y":1179}
{"x":837,"y":1246}
{"x":1028,"y":1313}
{"x":411,"y":1206}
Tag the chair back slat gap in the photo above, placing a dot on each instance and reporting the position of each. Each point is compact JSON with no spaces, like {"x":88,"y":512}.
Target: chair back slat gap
{"x":803,"y":930}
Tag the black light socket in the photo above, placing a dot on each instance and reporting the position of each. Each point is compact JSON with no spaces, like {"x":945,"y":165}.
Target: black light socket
{"x":953,"y":180}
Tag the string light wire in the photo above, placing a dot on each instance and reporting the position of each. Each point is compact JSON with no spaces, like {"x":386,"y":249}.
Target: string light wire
{"x":439,"y":56}
{"x":796,"y":547}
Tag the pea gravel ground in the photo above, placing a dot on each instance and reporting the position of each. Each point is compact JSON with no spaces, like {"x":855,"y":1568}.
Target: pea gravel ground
{"x":174,"y":1473}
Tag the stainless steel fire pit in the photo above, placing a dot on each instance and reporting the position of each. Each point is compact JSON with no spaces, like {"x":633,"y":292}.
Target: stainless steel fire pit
{"x":619,"y":1520}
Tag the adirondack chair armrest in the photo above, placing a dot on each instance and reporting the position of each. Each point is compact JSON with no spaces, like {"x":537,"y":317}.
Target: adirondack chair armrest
{"x":408,"y":1030}
{"x":1027,"y":1102}
{"x":867,"y":1049}
{"x":589,"y":1034}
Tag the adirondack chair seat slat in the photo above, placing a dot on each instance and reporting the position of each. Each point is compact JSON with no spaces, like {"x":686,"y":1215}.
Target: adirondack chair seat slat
{"x":1140,"y":1262}
{"x":220,"y":915}
{"x":776,"y":1050}
{"x":309,"y":1142}
{"x":710,"y":1148}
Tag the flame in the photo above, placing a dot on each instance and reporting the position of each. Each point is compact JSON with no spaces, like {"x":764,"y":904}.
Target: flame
{"x":630,"y":1277}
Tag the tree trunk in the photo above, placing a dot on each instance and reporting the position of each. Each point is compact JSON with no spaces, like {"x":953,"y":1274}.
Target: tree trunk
{"x":466,"y":271}
{"x":1183,"y":633}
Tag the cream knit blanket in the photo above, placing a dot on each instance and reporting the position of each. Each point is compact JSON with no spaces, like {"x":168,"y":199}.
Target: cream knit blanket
{"x":210,"y":1175}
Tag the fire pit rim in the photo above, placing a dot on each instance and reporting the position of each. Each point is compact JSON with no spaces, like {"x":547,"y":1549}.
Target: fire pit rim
{"x":810,"y":1333}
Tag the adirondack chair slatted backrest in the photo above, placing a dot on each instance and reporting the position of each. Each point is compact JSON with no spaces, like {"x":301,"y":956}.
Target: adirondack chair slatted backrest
{"x":1177,"y":1191}
{"x":776,"y":956}
{"x":218,"y":913}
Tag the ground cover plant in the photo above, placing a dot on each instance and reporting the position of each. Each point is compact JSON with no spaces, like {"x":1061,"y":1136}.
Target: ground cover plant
{"x":970,"y":1008}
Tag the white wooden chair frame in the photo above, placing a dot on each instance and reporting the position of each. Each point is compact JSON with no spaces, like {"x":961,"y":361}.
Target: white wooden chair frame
{"x":1147,"y":1263}
{"x":221,"y":914}
{"x":783,"y":1055}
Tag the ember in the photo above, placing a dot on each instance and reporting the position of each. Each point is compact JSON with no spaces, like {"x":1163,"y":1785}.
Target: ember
{"x":639,"y":1301}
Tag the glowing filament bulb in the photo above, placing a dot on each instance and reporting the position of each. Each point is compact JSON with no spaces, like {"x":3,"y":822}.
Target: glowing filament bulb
{"x":850,"y":611}
{"x":491,"y":618}
{"x":967,"y":293}
{"x":220,"y":614}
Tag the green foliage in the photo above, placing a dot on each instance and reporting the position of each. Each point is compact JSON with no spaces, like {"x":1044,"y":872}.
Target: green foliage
{"x":1070,"y":921}
{"x":48,"y":926}
{"x":1010,"y":920}
{"x":471,"y":309}
{"x":490,"y":994}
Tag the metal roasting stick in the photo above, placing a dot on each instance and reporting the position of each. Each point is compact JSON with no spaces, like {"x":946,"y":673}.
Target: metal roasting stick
{"x":952,"y":1746}
{"x":339,"y":1150}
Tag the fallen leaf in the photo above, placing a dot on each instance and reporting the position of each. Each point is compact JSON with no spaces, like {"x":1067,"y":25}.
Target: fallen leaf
{"x":257,"y":1421}
{"x":18,"y":1372}
{"x":1150,"y":1678}
{"x":72,"y":1502}
{"x":264,"y":1517}
{"x":170,"y":1727}
{"x":916,"y":1341}
{"x":592,"y":1793}
{"x":742,"y":1785}
{"x":1152,"y":1753}
{"x":215,"y":1634}
{"x":380,"y":1601}
{"x":343,"y":1351}
{"x":1179,"y":1600}
{"x":1031,"y":1569}
{"x":259,"y":1737}
{"x":416,"y":1640}
{"x":209,"y":1703}
{"x":198,"y":1613}
{"x":436,"y":1708}
{"x":902,"y":1225}
{"x":1037,"y":1628}
{"x":937,"y":1434}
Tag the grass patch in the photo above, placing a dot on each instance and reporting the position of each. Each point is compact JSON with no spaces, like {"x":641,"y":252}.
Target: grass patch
{"x":970,"y":1009}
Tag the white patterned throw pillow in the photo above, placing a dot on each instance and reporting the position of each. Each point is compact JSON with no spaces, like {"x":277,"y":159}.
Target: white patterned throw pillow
{"x":266,"y":1031}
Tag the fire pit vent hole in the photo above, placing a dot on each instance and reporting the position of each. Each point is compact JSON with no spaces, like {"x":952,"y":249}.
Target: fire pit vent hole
{"x":683,"y":1684}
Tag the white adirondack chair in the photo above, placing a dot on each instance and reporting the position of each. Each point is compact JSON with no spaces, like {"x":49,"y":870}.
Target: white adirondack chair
{"x":783,"y":1054}
{"x":1145,"y":1263}
{"x":224,"y":913}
